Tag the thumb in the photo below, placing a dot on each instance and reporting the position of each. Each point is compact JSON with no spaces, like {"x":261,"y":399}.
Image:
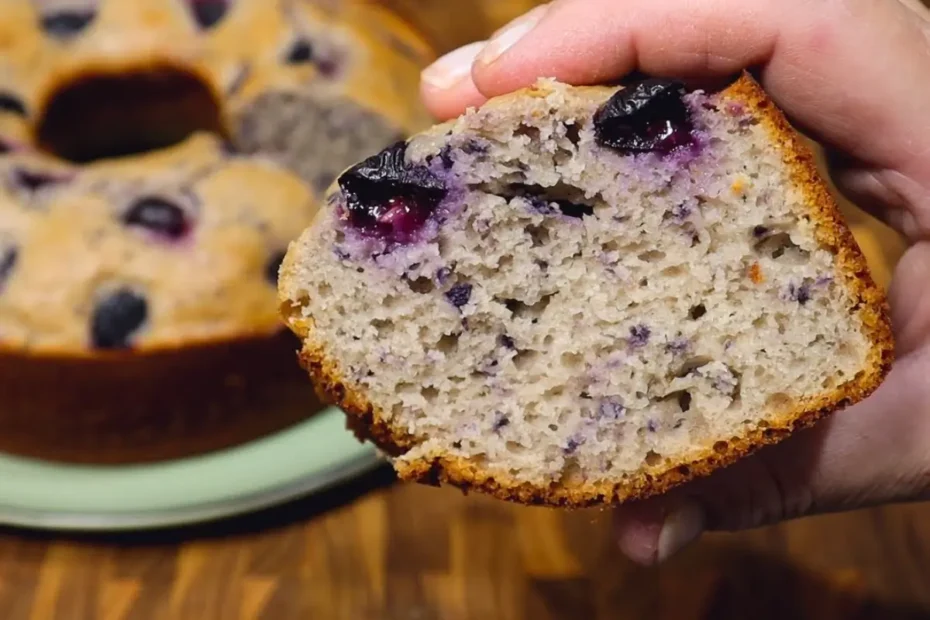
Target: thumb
{"x":875,"y":452}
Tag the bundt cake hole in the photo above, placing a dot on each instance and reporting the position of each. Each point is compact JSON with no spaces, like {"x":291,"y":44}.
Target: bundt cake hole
{"x":103,"y":115}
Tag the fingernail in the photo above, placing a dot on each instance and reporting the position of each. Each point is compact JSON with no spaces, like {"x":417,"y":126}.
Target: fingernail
{"x":453,"y":67}
{"x":681,"y":528}
{"x":511,"y":34}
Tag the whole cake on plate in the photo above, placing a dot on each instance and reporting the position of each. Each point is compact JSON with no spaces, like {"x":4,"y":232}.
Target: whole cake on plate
{"x":156,"y":157}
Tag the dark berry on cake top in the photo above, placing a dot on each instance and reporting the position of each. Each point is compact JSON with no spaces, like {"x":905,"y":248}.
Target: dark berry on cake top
{"x":33,"y":181}
{"x":66,"y":24}
{"x":159,"y":216}
{"x":387,"y":198}
{"x":12,"y":104}
{"x":300,"y":52}
{"x":208,"y":13}
{"x":649,"y":116}
{"x":117,"y":318}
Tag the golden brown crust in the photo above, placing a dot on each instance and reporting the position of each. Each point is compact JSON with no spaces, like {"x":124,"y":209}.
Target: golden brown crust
{"x":868,"y":301}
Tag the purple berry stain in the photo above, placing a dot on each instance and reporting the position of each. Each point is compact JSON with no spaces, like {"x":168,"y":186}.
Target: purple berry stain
{"x":388,"y":199}
{"x":610,"y":409}
{"x":442,"y":275}
{"x":573,"y":443}
{"x":800,"y":294}
{"x":649,"y":116}
{"x":679,"y":346}
{"x":500,"y":421}
{"x":639,"y":336}
{"x":681,"y":212}
{"x":459,"y":295}
{"x":507,"y":342}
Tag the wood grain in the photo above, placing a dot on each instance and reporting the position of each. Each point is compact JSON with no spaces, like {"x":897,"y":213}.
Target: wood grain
{"x":368,"y":552}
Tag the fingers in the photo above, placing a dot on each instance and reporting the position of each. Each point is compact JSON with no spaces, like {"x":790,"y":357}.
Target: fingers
{"x":853,"y":72}
{"x":899,"y":200}
{"x":592,"y":41}
{"x":875,"y":452}
{"x":447,"y":87}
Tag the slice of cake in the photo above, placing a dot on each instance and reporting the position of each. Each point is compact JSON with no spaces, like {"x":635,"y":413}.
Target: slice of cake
{"x":575,"y":296}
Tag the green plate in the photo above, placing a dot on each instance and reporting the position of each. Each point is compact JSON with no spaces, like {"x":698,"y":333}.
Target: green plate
{"x":306,"y":458}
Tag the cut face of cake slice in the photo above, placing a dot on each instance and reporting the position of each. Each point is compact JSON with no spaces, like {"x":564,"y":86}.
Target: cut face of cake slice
{"x":575,"y":296}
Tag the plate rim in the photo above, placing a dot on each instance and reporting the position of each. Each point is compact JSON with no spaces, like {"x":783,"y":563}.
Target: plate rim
{"x":313,"y":480}
{"x":195,"y":514}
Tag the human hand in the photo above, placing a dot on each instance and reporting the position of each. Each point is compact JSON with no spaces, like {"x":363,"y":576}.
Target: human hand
{"x":854,"y":74}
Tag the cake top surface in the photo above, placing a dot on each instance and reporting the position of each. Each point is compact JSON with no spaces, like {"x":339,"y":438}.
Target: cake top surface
{"x":156,"y":158}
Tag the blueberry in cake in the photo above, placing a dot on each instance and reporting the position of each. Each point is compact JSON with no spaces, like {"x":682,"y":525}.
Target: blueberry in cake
{"x":156,"y":157}
{"x":586,"y":295}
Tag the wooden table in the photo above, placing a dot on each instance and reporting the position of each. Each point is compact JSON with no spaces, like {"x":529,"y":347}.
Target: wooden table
{"x":378,"y":550}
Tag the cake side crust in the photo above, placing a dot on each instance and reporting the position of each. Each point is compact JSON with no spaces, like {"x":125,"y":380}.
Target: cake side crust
{"x":437,"y":468}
